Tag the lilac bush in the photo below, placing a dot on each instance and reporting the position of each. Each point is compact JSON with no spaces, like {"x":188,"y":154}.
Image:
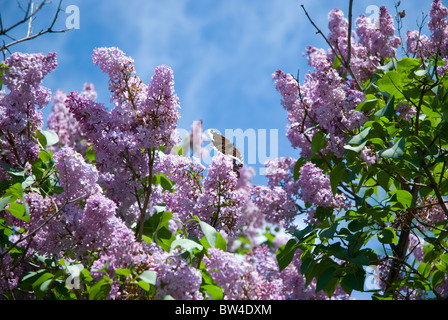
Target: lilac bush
{"x":110,"y":190}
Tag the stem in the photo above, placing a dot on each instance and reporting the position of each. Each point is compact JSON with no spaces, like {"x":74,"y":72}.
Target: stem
{"x":148,"y":190}
{"x":344,"y":62}
{"x":8,"y":287}
{"x":349,"y":33}
{"x":403,"y":243}
{"x":434,"y":185}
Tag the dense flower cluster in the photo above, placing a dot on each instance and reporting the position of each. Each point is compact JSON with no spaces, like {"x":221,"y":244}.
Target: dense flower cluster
{"x":326,"y":101}
{"x":423,"y":46}
{"x":144,"y":117}
{"x":64,"y":124}
{"x":91,"y":213}
{"x":19,"y":108}
{"x":315,"y":189}
{"x":243,"y":278}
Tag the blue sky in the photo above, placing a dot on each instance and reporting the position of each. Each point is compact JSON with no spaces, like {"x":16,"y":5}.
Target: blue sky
{"x":223,"y":53}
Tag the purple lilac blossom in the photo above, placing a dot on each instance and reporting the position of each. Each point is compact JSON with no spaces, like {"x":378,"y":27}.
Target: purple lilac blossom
{"x":20,"y":116}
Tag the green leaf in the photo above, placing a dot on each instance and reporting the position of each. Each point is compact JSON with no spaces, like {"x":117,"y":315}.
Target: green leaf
{"x":100,"y":290}
{"x":336,"y":176}
{"x":395,"y":152}
{"x":4,"y":201}
{"x":149,"y":276}
{"x":87,"y":275}
{"x":387,"y":67}
{"x":285,"y":254}
{"x":214,"y":291}
{"x":329,"y":232}
{"x":360,"y":259}
{"x":387,"y":236}
{"x":15,"y":191}
{"x":303,"y":234}
{"x":357,"y":149}
{"x":156,"y":228}
{"x":403,"y":197}
{"x":3,"y":67}
{"x":44,"y":156}
{"x":163,"y":181}
{"x":390,"y":84}
{"x":355,"y":280}
{"x":40,"y":286}
{"x":187,"y":244}
{"x":47,"y":138}
{"x":299,"y":163}
{"x":144,"y":285}
{"x":407,"y":65}
{"x":213,"y":237}
{"x":19,"y":211}
{"x":123,"y":272}
{"x":318,"y":142}
{"x":178,"y":150}
{"x":360,"y":137}
{"x":388,"y":110}
{"x":421,"y":73}
{"x":166,"y":183}
{"x":90,"y":154}
{"x":337,"y":62}
{"x":324,"y":278}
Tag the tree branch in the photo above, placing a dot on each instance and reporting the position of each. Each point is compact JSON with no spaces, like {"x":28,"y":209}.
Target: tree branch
{"x":4,"y":32}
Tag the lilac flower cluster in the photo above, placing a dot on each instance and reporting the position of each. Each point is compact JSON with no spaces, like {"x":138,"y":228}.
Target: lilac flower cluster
{"x":144,"y":117}
{"x":216,"y":198}
{"x":175,"y":277}
{"x":64,"y":124}
{"x":327,"y":100}
{"x":255,"y":276}
{"x":187,"y":174}
{"x":77,"y":178}
{"x":369,"y":156}
{"x":244,"y":279}
{"x":315,"y":189}
{"x":423,"y":46}
{"x":20,"y":116}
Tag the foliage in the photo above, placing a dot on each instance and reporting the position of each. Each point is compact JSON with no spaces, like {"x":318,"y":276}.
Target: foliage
{"x":104,"y":205}
{"x":391,"y":171}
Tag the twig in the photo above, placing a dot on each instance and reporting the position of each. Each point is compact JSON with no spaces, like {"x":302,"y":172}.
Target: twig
{"x":349,"y":32}
{"x":339,"y":57}
{"x":5,"y":47}
{"x":31,"y":21}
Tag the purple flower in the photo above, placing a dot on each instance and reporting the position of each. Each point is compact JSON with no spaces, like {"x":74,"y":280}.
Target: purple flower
{"x":76,"y":177}
{"x":405,"y":110}
{"x":175,"y":277}
{"x":438,"y":25}
{"x":369,"y":156}
{"x":242,"y":279}
{"x":19,"y":108}
{"x":65,"y":125}
{"x":315,"y":186}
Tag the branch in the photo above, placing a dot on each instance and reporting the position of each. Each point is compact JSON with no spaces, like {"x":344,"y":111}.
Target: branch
{"x":349,"y":32}
{"x":5,"y":47}
{"x":141,"y":221}
{"x":25,"y":19}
